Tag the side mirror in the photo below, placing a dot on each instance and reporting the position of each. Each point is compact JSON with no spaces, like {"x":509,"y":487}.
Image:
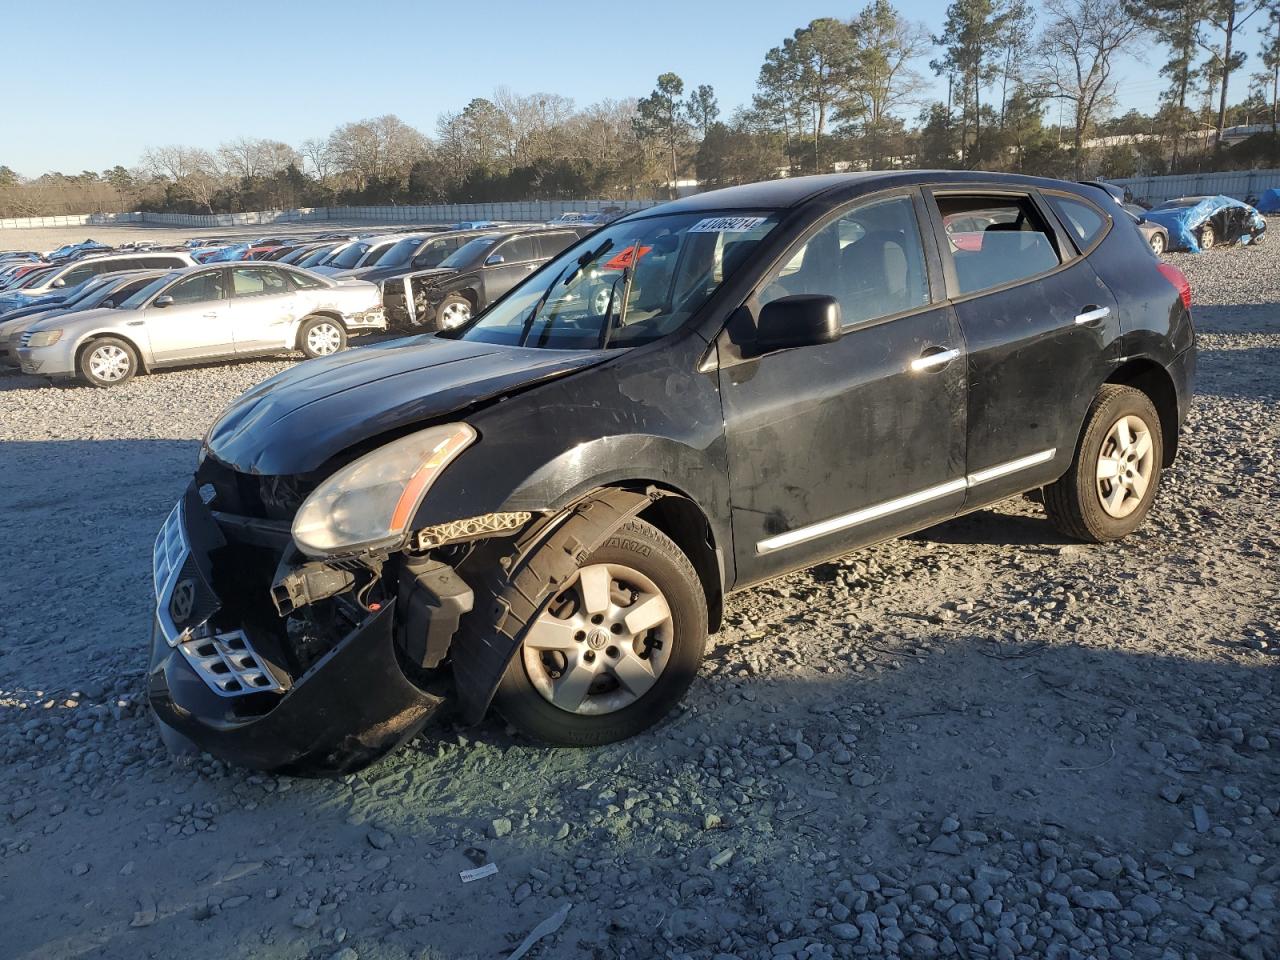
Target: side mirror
{"x":495,"y":259}
{"x":165,"y":301}
{"x":803,"y":320}
{"x":108,"y":304}
{"x":58,"y":283}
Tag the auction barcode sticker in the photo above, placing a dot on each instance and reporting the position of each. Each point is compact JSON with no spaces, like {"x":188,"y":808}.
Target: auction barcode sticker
{"x":727,"y":224}
{"x":478,"y":873}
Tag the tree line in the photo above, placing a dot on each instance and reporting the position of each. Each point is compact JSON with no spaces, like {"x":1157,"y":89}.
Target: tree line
{"x":1028,"y":90}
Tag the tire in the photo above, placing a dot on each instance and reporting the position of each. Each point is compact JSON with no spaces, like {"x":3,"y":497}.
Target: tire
{"x":108,"y":362}
{"x":321,"y":337}
{"x":1157,"y":243}
{"x":1258,"y":238}
{"x":654,"y":577}
{"x":1206,"y":237}
{"x":1088,"y":505}
{"x":453,"y":312}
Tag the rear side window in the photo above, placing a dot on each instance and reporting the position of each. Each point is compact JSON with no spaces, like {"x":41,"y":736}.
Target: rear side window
{"x":302,"y":281}
{"x":162,"y":263}
{"x":1085,"y":221}
{"x":519,"y":249}
{"x":553,"y":243}
{"x":993,"y":241}
{"x":252,"y":281}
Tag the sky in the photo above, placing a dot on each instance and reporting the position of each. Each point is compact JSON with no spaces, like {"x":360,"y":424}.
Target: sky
{"x":114,"y":78}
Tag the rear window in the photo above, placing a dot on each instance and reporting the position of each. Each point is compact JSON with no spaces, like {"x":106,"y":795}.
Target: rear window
{"x":993,"y":241}
{"x":1085,"y":221}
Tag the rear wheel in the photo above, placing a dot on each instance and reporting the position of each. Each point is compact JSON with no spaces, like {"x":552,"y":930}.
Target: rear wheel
{"x":108,"y":362}
{"x":321,"y":336}
{"x":1157,"y":243}
{"x":1206,"y":237}
{"x":1116,"y":471}
{"x":615,"y":649}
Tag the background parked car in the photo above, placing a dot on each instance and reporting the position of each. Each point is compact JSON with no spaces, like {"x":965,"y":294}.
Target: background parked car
{"x":1200,"y":223}
{"x":77,"y":271}
{"x":355,"y":253}
{"x":1157,"y":237}
{"x":482,"y":270}
{"x":203,"y":313}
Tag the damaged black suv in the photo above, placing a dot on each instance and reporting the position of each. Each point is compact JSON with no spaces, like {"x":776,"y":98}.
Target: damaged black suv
{"x":544,"y":509}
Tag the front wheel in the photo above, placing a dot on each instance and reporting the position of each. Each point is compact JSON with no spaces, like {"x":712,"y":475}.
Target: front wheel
{"x":108,"y":362}
{"x":615,"y":649}
{"x":1116,"y":471}
{"x":1157,"y":243}
{"x":321,"y":336}
{"x":455,"y":310}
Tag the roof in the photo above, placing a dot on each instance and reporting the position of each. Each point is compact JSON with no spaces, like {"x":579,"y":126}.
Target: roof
{"x":793,"y":191}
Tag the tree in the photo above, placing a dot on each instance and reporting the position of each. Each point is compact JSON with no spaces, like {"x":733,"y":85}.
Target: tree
{"x":971,"y":42}
{"x":1271,"y":60}
{"x":1016,"y":39}
{"x":660,"y":118}
{"x":317,"y":152}
{"x":1228,"y":17}
{"x":881,"y":79}
{"x":703,"y":109}
{"x":1075,"y":59}
{"x":807,"y":79}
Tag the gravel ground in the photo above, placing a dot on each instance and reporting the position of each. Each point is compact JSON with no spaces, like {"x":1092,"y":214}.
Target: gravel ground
{"x":980,"y":741}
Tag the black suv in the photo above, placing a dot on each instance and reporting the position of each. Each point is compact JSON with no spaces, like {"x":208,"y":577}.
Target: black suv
{"x":544,"y":508}
{"x":479,"y":272}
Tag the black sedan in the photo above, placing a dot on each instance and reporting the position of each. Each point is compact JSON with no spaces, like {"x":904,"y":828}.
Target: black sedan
{"x":543,"y":509}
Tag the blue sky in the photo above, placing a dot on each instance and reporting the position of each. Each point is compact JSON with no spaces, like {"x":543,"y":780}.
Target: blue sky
{"x":91,"y":84}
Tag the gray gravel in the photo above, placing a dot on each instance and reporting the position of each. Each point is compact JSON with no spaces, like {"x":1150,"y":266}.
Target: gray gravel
{"x":981,"y":741}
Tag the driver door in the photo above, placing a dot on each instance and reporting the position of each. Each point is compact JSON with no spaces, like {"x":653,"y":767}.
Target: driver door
{"x":840,"y":444}
{"x":196,"y":324}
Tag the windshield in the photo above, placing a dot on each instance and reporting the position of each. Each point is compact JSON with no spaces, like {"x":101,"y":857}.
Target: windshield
{"x":314,"y":257}
{"x":591,"y":296}
{"x":348,"y":257}
{"x":36,"y":277}
{"x":143,"y":295}
{"x":472,"y":251}
{"x":374,"y":253}
{"x":399,"y":253}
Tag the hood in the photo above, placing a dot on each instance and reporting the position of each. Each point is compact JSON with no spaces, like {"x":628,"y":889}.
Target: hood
{"x":297,"y":420}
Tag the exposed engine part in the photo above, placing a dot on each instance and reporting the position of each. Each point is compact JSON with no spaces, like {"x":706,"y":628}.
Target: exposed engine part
{"x":472,"y":528}
{"x":432,"y":599}
{"x":308,"y":583}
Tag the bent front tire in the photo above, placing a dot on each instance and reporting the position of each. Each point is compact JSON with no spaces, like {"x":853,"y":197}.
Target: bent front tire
{"x":615,"y":649}
{"x":1114,"y":477}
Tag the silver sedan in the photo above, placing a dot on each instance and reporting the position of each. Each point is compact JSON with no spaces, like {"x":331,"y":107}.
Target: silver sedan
{"x":203,"y":313}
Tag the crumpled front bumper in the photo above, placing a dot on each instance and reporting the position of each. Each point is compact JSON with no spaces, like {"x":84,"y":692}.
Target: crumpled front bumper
{"x":349,"y":708}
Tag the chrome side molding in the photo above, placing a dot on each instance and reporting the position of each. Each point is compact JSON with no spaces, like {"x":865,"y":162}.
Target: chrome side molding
{"x":877,"y":510}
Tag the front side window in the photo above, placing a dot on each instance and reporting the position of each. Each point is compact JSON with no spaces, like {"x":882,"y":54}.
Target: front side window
{"x":870,"y":259}
{"x":257,"y":281}
{"x":198,"y":289}
{"x":993,"y":241}
{"x":472,"y":253}
{"x":625,"y":285}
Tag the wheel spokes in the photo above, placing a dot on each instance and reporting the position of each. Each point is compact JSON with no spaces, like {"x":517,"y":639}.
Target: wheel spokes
{"x":1108,"y":468}
{"x":1138,"y":483}
{"x":646,"y":613}
{"x":634,"y":673}
{"x":593,"y":587}
{"x":550,"y":633}
{"x":570,"y":690}
{"x":1143,"y":445}
{"x":1115,"y":498}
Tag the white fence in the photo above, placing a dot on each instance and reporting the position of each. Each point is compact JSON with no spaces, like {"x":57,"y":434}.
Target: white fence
{"x":523,"y":211}
{"x":1236,"y":183}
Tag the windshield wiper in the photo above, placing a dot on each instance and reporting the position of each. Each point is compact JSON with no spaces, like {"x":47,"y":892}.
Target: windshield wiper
{"x":581,"y":262}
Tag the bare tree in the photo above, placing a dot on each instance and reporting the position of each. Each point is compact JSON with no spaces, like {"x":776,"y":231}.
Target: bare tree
{"x":1074,"y":62}
{"x":317,"y":152}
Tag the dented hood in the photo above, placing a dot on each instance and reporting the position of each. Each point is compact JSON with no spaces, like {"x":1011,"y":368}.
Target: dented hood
{"x":297,"y":420}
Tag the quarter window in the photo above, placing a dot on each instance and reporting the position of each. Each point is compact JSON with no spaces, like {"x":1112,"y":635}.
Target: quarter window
{"x":1085,"y":220}
{"x":198,"y":289}
{"x":869,"y":258}
{"x":304,"y":281}
{"x":256,"y":281}
{"x":993,"y":241}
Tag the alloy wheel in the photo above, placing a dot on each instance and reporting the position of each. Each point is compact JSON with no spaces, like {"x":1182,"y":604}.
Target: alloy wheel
{"x":324,"y":339}
{"x":602,"y":643}
{"x":109,"y":363}
{"x":1126,"y":464}
{"x":454,"y":315}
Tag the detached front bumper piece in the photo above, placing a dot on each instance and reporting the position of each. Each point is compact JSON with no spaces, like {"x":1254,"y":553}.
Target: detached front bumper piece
{"x":349,"y":708}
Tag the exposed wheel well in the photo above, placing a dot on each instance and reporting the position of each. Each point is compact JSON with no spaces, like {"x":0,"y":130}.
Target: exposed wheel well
{"x":1153,"y":380}
{"x":95,"y":337}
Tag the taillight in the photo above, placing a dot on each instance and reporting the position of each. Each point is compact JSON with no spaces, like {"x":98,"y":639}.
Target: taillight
{"x":1179,"y":281}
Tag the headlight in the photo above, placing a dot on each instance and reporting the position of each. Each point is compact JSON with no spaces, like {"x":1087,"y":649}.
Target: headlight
{"x":43,"y":338}
{"x":368,"y":503}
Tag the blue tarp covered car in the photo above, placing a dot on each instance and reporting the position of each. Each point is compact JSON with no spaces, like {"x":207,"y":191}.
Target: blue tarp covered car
{"x":1198,"y":223}
{"x":1270,"y":202}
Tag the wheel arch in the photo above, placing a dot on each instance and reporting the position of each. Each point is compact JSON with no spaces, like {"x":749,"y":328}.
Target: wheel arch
{"x":1152,"y":379}
{"x":144,"y":365}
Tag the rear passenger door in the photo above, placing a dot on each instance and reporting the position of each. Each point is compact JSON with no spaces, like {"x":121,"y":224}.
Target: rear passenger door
{"x":1040,"y":328}
{"x":264,"y":309}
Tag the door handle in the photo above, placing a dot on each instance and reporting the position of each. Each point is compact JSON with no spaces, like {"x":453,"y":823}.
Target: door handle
{"x":1092,"y":315}
{"x":935,"y":360}
{"x":135,"y":323}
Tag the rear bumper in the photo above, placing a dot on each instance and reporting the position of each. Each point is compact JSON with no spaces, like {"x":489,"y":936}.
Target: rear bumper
{"x":208,"y":683}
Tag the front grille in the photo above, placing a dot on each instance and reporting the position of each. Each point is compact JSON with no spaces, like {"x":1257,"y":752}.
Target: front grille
{"x":228,"y":664}
{"x":170,"y":551}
